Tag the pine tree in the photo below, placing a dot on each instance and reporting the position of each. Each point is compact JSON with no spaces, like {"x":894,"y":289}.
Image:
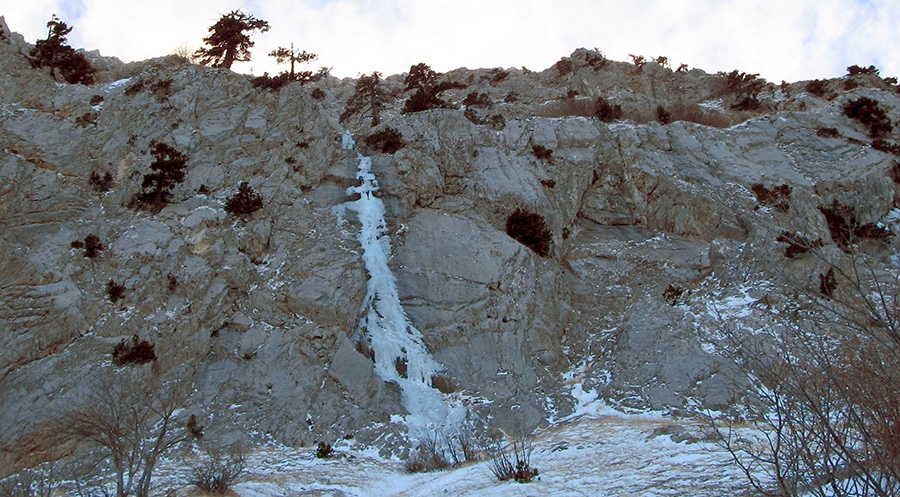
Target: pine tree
{"x":169,"y":165}
{"x":291,"y":55}
{"x":53,"y":52}
{"x":424,"y":81}
{"x":370,"y":95}
{"x":228,"y":42}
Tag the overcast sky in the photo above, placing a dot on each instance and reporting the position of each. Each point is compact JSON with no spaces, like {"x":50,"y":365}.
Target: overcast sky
{"x":779,"y":39}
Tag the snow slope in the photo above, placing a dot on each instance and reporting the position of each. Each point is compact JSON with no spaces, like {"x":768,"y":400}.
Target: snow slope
{"x":601,"y":453}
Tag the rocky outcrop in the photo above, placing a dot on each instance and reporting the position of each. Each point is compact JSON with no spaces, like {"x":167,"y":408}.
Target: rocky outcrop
{"x":263,"y":311}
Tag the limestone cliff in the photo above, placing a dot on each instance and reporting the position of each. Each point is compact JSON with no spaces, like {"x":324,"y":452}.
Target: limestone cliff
{"x":261,"y":313}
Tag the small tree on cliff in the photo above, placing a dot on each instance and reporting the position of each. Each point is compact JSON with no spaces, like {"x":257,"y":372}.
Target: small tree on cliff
{"x":168,"y":166}
{"x":370,"y":95}
{"x":424,"y":80}
{"x":293,"y":56}
{"x":229,"y":39}
{"x":54,"y":53}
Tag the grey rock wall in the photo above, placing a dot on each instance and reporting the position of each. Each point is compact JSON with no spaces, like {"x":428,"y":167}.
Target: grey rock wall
{"x":263,"y":312}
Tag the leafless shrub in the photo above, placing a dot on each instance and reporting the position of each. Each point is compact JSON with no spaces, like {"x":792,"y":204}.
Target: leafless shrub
{"x":512,"y":460}
{"x":34,"y":482}
{"x":216,"y":474}
{"x":825,"y":396}
{"x":430,"y":455}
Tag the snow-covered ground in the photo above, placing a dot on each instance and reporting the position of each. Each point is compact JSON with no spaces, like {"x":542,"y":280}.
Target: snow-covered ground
{"x":598,"y":453}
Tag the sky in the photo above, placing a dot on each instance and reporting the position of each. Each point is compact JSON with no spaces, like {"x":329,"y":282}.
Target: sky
{"x":781,"y":40}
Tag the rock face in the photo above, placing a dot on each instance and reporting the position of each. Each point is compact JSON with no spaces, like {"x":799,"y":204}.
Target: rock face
{"x":647,"y":225}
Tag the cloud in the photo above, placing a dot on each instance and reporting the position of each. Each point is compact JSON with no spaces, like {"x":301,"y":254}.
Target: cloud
{"x":781,"y":40}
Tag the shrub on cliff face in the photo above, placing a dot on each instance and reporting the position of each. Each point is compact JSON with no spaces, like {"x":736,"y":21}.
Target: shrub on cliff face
{"x":606,"y":112}
{"x":869,"y":114}
{"x":137,"y":352}
{"x":778,"y":197}
{"x":91,"y":245}
{"x":856,"y":70}
{"x":846,"y":229}
{"x":530,"y":230}
{"x":243,"y":203}
{"x":386,"y":141}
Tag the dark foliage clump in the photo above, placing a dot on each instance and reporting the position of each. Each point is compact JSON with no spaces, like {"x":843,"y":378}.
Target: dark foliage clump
{"x":91,"y":245}
{"x":168,"y":166}
{"x":662,"y":115}
{"x":817,"y":87}
{"x":63,"y":60}
{"x":828,"y":283}
{"x":318,"y":94}
{"x":564,"y":66}
{"x":511,"y":97}
{"x":96,"y":100}
{"x":497,"y":76}
{"x":101,"y":183}
{"x":846,"y":229}
{"x":673,"y":294}
{"x":866,"y":111}
{"x":386,"y":141}
{"x":596,"y":60}
{"x":475,"y":99}
{"x":856,"y":70}
{"x":778,"y":197}
{"x":530,"y":230}
{"x":638,"y":61}
{"x":606,"y":112}
{"x":895,"y":172}
{"x":746,"y":87}
{"x":828,"y":133}
{"x":171,"y":282}
{"x":115,"y":291}
{"x":885,"y":146}
{"x":797,"y":244}
{"x":244,"y":203}
{"x":271,"y":83}
{"x":542,"y":153}
{"x":194,"y":429}
{"x":137,"y":352}
{"x":324,"y":450}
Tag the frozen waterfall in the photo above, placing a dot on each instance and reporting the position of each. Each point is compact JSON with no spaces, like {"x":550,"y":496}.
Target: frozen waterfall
{"x":392,"y":336}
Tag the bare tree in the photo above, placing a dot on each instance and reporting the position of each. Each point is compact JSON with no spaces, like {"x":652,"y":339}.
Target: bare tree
{"x":131,"y":420}
{"x":825,"y":402}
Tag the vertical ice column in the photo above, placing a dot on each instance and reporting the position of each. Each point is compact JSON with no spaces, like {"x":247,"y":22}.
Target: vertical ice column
{"x":393,"y":337}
